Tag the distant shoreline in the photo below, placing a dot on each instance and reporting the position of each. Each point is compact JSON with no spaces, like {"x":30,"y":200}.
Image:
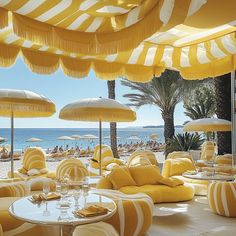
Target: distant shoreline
{"x":160,"y":126}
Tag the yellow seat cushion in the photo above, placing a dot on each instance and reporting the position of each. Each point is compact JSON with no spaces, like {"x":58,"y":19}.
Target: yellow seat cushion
{"x":222,"y":198}
{"x":120,"y":177}
{"x":162,"y":193}
{"x":200,"y":186}
{"x":104,"y":183}
{"x":142,"y":175}
{"x":176,"y":166}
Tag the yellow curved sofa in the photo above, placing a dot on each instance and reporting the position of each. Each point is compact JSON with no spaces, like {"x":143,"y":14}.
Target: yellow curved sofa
{"x":222,"y":198}
{"x":176,"y":167}
{"x":148,"y":180}
{"x":72,"y":167}
{"x":107,"y":159}
{"x":142,"y":157}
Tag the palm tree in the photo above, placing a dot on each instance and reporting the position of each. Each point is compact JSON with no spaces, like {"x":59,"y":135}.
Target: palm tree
{"x":113,"y":131}
{"x":202,"y":103}
{"x":165,"y":92}
{"x":223,"y":111}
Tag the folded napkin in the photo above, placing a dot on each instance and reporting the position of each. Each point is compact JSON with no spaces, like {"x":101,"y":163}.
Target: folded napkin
{"x":191,"y":172}
{"x":42,"y":197}
{"x":93,"y":210}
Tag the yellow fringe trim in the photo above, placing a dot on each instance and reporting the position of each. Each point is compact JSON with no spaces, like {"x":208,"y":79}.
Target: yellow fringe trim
{"x":8,"y":55}
{"x":213,"y":69}
{"x":93,"y":43}
{"x":42,"y":63}
{"x":96,"y":114}
{"x":3,"y":18}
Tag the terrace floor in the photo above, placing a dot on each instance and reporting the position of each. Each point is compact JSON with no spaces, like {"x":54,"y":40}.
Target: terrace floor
{"x":189,"y":218}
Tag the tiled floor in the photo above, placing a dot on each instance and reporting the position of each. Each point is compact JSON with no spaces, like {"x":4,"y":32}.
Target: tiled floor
{"x":189,"y":218}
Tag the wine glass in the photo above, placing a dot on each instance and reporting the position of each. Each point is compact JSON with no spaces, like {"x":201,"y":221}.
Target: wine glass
{"x":77,"y":193}
{"x":46,"y":188}
{"x":85,"y":189}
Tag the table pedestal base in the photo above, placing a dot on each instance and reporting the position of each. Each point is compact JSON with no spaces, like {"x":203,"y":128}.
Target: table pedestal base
{"x":66,"y":230}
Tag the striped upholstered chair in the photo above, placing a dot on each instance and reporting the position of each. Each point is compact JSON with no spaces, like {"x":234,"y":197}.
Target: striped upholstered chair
{"x":208,"y":151}
{"x":72,"y":167}
{"x":98,"y":229}
{"x":10,"y":192}
{"x":33,"y":164}
{"x":222,"y":198}
{"x":134,"y":212}
{"x":142,"y":157}
{"x":107,"y":160}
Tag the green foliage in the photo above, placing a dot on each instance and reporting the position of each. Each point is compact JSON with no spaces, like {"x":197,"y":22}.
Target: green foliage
{"x":184,"y":142}
{"x":165,"y":91}
{"x":201,"y":103}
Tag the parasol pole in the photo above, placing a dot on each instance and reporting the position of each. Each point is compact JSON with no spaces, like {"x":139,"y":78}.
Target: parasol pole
{"x":233,"y":132}
{"x":100,"y":147}
{"x":12,"y":144}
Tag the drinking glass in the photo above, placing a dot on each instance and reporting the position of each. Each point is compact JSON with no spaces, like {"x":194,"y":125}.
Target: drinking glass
{"x":85,"y":189}
{"x":46,"y":188}
{"x":77,"y":193}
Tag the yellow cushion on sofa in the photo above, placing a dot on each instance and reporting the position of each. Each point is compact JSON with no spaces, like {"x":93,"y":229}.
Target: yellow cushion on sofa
{"x":147,"y":174}
{"x":120,"y":177}
{"x":180,"y":165}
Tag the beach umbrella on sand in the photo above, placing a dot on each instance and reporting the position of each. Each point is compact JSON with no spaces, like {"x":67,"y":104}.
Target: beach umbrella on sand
{"x":33,"y":140}
{"x":76,"y":136}
{"x":134,"y":137}
{"x":2,"y":139}
{"x":98,"y":110}
{"x":64,"y":138}
{"x":22,"y":104}
{"x":89,"y":136}
{"x":154,"y":136}
{"x":208,"y":125}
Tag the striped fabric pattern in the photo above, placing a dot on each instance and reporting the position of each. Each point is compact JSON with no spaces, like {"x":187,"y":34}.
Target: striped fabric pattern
{"x":179,"y":154}
{"x":208,"y":151}
{"x":96,"y":35}
{"x":14,"y":189}
{"x":222,"y":198}
{"x":142,"y":155}
{"x":134,"y":212}
{"x":98,"y":229}
{"x":73,"y":167}
{"x":34,"y":158}
{"x":107,"y":153}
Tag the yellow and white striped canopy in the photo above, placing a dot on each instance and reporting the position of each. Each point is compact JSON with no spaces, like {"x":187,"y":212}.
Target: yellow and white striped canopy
{"x":134,"y":38}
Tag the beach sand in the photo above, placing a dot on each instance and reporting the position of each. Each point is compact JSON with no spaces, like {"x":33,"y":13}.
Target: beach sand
{"x":5,"y":166}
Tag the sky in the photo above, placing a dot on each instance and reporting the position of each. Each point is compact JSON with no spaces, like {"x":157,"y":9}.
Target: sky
{"x":62,"y":90}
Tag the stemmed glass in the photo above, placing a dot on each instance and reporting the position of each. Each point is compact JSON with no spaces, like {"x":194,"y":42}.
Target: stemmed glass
{"x":77,"y":193}
{"x":46,"y":190}
{"x":64,"y":188}
{"x":85,"y":189}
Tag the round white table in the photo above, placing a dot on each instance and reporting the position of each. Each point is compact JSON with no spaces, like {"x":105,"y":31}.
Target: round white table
{"x":209,"y":176}
{"x":49,"y":213}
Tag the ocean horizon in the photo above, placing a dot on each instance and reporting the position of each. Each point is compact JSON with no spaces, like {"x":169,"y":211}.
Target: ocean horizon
{"x":50,"y":135}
